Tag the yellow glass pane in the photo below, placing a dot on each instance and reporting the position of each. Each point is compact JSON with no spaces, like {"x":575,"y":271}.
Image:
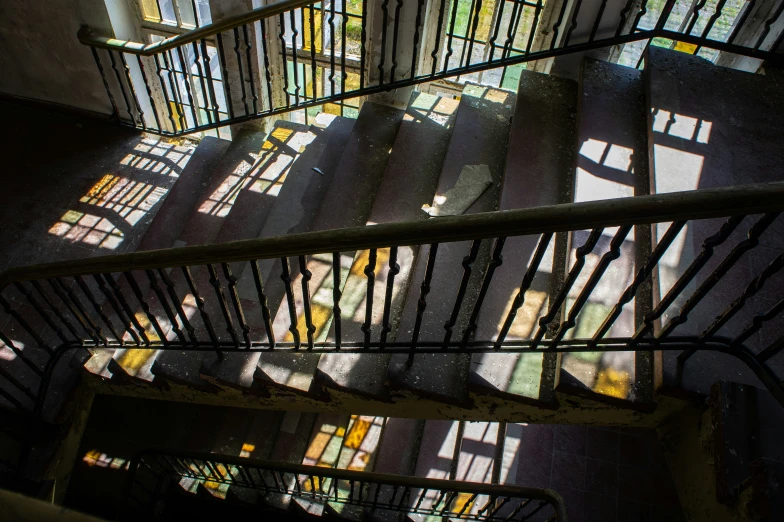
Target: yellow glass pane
{"x":150,"y":10}
{"x":307,"y":37}
{"x":685,"y":47}
{"x":331,"y":108}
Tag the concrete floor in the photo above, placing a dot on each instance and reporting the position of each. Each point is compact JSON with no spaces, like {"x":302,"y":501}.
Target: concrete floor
{"x":75,"y":187}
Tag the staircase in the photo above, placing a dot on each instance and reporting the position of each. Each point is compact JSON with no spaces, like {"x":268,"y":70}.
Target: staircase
{"x":384,"y":166}
{"x":494,"y":325}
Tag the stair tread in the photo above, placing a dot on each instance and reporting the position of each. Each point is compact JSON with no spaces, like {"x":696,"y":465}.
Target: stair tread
{"x":701,"y":141}
{"x":479,"y":137}
{"x":303,"y":190}
{"x":347,"y":202}
{"x":408,"y":182}
{"x":171,"y":218}
{"x":541,"y":155}
{"x":611,"y":163}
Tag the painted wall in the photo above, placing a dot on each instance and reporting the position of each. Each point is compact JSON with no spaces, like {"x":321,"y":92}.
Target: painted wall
{"x":41,"y":57}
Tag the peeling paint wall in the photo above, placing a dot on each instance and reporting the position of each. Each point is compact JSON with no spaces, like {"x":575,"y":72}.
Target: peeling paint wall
{"x":42,"y":59}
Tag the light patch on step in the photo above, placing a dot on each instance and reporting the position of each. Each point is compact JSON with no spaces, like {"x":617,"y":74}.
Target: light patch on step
{"x":681,"y":126}
{"x":102,"y":460}
{"x":593,"y":149}
{"x":80,"y":227}
{"x":676,"y":170}
{"x":6,"y":353}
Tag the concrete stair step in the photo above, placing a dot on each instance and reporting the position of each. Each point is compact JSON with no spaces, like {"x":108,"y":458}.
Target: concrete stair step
{"x":539,"y":171}
{"x":713,"y":127}
{"x":479,"y":138}
{"x":409,"y":181}
{"x":347,"y":202}
{"x":306,"y":183}
{"x":252,"y":172}
{"x":611,"y":163}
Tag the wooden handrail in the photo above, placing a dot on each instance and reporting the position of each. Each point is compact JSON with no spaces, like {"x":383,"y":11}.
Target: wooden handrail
{"x":87,"y":37}
{"x":695,"y":204}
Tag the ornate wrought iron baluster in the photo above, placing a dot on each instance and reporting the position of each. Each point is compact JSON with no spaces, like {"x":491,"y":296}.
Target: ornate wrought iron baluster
{"x":97,"y":307}
{"x":467,"y":262}
{"x":752,"y":240}
{"x":265,"y":55}
{"x":343,"y":73}
{"x":98,"y":63}
{"x":525,"y":284}
{"x":215,"y":282}
{"x":534,"y":26}
{"x":172,"y":291}
{"x":265,"y":311}
{"x":496,"y":29}
{"x":202,"y":310}
{"x":573,"y":25}
{"x":122,"y":87}
{"x":422,"y":302}
{"x":147,"y":310}
{"x":251,"y":79}
{"x":449,"y":50}
{"x":597,"y":20}
{"x":305,"y":283}
{"x":394,"y":270}
{"x":695,"y":15}
{"x":226,"y":82}
{"x":75,"y":307}
{"x":557,"y":26}
{"x":170,"y":315}
{"x":285,"y":276}
{"x":496,"y":261}
{"x":642,"y":274}
{"x":418,"y":23}
{"x":282,"y":38}
{"x":613,"y":253}
{"x":751,"y":290}
{"x":434,"y":54}
{"x":624,"y":15}
{"x":295,"y":67}
{"x":235,"y":299}
{"x":40,"y":310}
{"x":370,"y":273}
{"x":336,"y":295}
{"x":476,"y":9}
{"x":579,"y":263}
{"x":702,"y":258}
{"x":125,"y":319}
{"x":200,"y":74}
{"x":133,"y":91}
{"x":395,"y":37}
{"x":210,"y":86}
{"x":239,"y":63}
{"x":363,"y":50}
{"x":55,"y":310}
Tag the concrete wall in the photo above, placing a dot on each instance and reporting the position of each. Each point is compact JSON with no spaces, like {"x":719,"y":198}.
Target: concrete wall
{"x":41,"y":57}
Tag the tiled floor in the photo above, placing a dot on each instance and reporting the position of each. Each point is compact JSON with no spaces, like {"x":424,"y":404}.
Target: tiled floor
{"x":603,"y":474}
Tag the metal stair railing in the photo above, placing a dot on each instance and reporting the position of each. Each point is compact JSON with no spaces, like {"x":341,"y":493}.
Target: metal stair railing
{"x":296,"y":54}
{"x":191,"y":298}
{"x":152,"y":473}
